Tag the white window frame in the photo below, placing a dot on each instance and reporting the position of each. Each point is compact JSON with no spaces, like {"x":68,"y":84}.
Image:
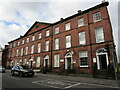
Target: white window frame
{"x":33,"y":38}
{"x":27,"y":41}
{"x":14,"y":44}
{"x":47,"y":46}
{"x":21,"y":51}
{"x":47,"y":33}
{"x":80,"y":22}
{"x":25,"y":61}
{"x":18,"y":43}
{"x":56,"y":43}
{"x":99,"y":36}
{"x":32,"y":49}
{"x":23,"y":41}
{"x":39,"y":47}
{"x":68,"y":43}
{"x":56,"y":30}
{"x":38,"y":62}
{"x":17,"y":52}
{"x":85,"y":55}
{"x":82,"y":38}
{"x":40,"y":36}
{"x":26,"y":50}
{"x":57,"y":60}
{"x":67,"y":26}
{"x":10,"y":45}
{"x":96,"y":16}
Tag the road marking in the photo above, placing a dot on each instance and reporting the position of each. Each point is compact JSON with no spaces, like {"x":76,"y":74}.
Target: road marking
{"x":101,"y":85}
{"x":72,"y":86}
{"x":44,"y":84}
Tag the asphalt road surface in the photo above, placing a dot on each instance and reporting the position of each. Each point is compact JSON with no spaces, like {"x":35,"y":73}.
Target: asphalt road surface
{"x":37,"y":81}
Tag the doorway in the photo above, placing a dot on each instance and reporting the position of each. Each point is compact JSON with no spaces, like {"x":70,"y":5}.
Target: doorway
{"x":68,"y":61}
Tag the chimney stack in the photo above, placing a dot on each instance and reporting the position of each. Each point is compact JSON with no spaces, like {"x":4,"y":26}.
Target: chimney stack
{"x":79,"y":11}
{"x":61,"y":19}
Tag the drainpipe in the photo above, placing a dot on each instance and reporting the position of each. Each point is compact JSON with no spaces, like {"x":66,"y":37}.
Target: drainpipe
{"x":90,"y":43}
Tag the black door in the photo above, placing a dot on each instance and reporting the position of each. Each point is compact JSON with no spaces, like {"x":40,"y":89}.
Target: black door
{"x":46,"y":63}
{"x":69,"y":63}
{"x":103,"y":61}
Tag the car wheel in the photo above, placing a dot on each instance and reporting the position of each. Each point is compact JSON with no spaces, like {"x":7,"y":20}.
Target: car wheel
{"x":20,"y":74}
{"x":12,"y":73}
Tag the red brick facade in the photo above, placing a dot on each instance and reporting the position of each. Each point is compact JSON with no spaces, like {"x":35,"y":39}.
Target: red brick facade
{"x":90,"y":46}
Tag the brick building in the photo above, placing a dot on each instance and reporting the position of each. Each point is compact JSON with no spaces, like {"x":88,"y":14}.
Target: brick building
{"x":75,"y":43}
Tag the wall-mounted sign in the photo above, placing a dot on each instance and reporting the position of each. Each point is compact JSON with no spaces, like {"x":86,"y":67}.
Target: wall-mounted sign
{"x":62,"y":60}
{"x":94,"y":60}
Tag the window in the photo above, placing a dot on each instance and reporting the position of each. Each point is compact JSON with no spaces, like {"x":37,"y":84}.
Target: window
{"x":25,"y":61}
{"x":47,"y":46}
{"x":18,"y":43}
{"x":39,"y":47}
{"x":17,"y":52}
{"x":32,"y":49}
{"x":80,"y":22}
{"x":26,"y":50}
{"x":67,"y":26}
{"x":68,"y":41}
{"x":10,"y":45}
{"x":40,"y":36}
{"x":14,"y":44}
{"x":22,"y":41}
{"x":47,"y":33}
{"x":56,"y":30}
{"x":13,"y":53}
{"x":33,"y":38}
{"x":97,"y":16}
{"x":99,"y":34}
{"x":82,"y":40}
{"x":56,"y":44}
{"x":56,"y":60}
{"x":38,"y":62}
{"x":83,"y":59}
{"x":27,"y":40}
{"x":21,"y":52}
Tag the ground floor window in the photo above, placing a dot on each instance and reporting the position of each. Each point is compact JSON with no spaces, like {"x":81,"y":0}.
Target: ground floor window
{"x":38,"y":62}
{"x":56,"y":60}
{"x":83,"y":59}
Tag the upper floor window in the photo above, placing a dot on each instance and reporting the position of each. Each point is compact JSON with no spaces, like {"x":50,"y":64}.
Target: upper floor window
{"x":14,"y":44}
{"x":99,"y":34}
{"x":67,"y":26}
{"x":18,"y":43}
{"x":33,"y":38}
{"x":97,"y":16}
{"x":21,"y":52}
{"x":56,"y":60}
{"x":56,"y":44}
{"x":22,"y":41}
{"x":26,"y":50}
{"x":47,"y":46}
{"x":27,"y":41}
{"x":80,"y":22}
{"x":40,"y":36}
{"x":82,"y":38}
{"x":10,"y":45}
{"x":83,"y":58}
{"x":47,"y":33}
{"x":12,"y":53}
{"x":56,"y":30}
{"x":17,"y":52}
{"x":39,"y":47}
{"x":68,"y":41}
{"x":32,"y":49}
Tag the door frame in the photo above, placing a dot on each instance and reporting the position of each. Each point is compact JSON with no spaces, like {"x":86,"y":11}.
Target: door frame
{"x":46,"y":57}
{"x":68,"y":55}
{"x":98,"y":61}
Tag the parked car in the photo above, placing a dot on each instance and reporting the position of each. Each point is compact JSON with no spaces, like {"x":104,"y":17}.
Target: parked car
{"x":22,"y":71}
{"x":2,"y":69}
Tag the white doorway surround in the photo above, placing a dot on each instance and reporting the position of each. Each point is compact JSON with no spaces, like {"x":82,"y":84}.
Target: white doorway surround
{"x":102,"y":58}
{"x":68,"y":60}
{"x":46,"y":61}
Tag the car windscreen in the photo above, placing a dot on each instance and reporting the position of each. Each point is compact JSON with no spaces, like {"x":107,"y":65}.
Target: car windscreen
{"x":20,"y":67}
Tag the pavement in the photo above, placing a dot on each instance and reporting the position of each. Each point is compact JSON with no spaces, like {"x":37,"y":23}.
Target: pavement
{"x":84,"y":80}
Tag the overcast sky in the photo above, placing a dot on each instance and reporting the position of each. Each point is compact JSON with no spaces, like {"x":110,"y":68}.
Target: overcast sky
{"x":16,"y":17}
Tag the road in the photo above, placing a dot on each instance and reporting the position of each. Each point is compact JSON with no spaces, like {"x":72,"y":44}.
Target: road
{"x":38,"y":81}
